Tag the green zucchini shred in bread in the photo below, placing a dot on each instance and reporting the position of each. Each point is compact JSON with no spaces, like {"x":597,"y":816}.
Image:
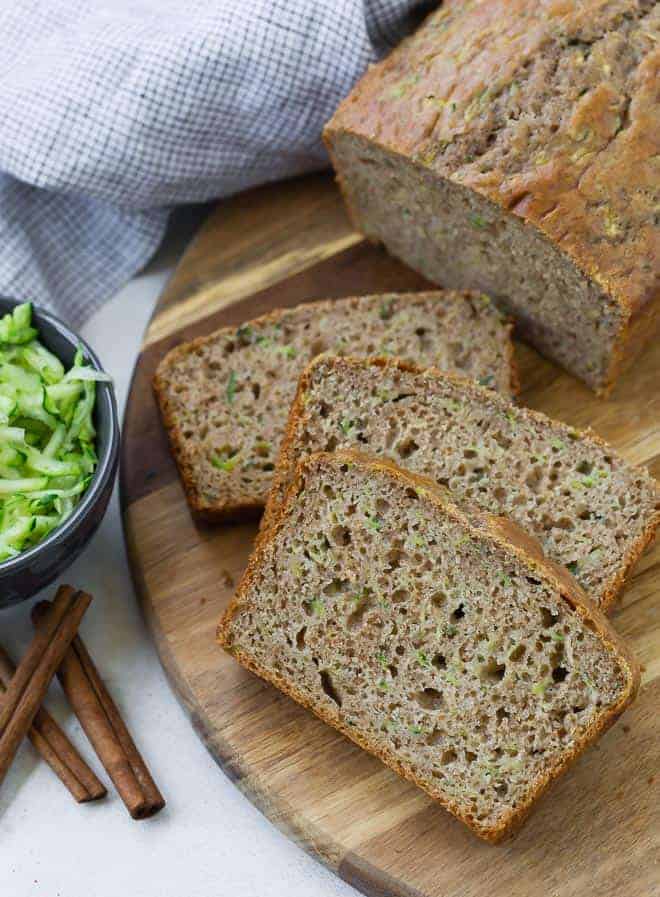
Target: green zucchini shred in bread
{"x":511,"y":146}
{"x":225,"y":398}
{"x":590,"y":510}
{"x":471,"y":665}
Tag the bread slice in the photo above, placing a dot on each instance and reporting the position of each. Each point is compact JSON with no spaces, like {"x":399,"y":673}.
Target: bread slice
{"x":435,"y":637}
{"x":225,"y":398}
{"x":591,"y":512}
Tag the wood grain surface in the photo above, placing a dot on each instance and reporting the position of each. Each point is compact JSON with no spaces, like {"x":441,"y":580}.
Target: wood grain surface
{"x":598,"y":831}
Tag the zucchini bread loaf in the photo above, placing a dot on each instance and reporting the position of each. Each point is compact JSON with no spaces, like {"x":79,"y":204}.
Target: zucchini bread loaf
{"x":513,"y":146}
{"x":435,"y":637}
{"x":591,"y":512}
{"x":225,"y":398}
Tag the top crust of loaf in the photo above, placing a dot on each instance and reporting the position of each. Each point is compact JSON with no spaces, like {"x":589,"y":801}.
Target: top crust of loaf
{"x":482,"y":526}
{"x":567,"y":89}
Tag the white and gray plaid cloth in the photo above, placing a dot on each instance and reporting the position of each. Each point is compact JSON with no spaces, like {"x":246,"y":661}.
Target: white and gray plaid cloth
{"x":112,"y":112}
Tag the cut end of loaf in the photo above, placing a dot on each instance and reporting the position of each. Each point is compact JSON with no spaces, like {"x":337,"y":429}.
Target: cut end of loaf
{"x":426,"y":637}
{"x":225,"y":398}
{"x":458,"y":237}
{"x":591,"y":512}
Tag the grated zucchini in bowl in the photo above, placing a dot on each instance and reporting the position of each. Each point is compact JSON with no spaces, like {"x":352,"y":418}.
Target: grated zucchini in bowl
{"x":47,"y":436}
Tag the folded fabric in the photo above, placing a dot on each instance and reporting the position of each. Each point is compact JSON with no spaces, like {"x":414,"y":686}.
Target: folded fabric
{"x":114,"y":112}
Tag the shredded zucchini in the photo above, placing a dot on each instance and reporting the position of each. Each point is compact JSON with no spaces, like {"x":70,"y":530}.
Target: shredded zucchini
{"x":47,"y":436}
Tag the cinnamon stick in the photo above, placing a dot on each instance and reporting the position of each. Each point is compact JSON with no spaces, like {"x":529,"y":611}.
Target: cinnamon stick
{"x":29,"y":685}
{"x":103,"y":725}
{"x":55,"y":748}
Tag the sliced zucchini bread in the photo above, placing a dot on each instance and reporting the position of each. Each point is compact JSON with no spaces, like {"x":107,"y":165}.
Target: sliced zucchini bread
{"x":225,"y":398}
{"x":589,"y":509}
{"x":436,"y":637}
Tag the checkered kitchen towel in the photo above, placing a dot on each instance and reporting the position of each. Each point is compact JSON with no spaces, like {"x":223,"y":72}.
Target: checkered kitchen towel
{"x":113,"y":111}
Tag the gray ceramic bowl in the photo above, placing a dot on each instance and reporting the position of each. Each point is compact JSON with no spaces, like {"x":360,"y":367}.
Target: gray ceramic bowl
{"x":23,"y":576}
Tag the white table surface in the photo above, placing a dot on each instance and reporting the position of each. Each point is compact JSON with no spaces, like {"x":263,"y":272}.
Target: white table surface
{"x":209,"y":841}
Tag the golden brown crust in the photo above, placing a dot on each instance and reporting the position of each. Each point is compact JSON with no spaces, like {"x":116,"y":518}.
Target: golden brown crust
{"x":484,"y":526}
{"x":587,"y":188}
{"x":249,"y":508}
{"x":287,"y":459}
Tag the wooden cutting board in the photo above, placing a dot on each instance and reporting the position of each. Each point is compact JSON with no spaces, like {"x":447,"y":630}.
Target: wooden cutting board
{"x":598,"y":832}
